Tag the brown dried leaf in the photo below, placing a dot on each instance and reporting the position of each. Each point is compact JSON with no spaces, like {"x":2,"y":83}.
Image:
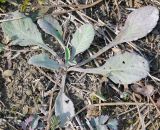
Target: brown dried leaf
{"x":147,"y":90}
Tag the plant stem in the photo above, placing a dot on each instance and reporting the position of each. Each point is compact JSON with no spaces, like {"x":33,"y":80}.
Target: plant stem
{"x":91,"y":70}
{"x":63,"y":82}
{"x":110,"y":45}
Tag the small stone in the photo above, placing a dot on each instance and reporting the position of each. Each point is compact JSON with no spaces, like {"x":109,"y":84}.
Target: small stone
{"x":8,"y":73}
{"x":25,"y":109}
{"x":28,"y":92}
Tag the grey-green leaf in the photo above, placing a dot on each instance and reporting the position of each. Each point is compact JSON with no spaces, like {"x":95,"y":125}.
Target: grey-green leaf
{"x":112,"y":124}
{"x":82,"y":39}
{"x":22,"y":31}
{"x":98,"y":123}
{"x":126,"y":68}
{"x":64,"y":108}
{"x":42,"y":60}
{"x":123,"y":68}
{"x":51,"y":26}
{"x":138,"y":24}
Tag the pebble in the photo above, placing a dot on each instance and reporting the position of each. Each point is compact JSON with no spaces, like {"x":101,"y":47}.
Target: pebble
{"x":8,"y":73}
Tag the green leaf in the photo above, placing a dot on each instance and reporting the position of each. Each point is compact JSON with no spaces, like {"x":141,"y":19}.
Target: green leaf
{"x":51,"y":26}
{"x":1,"y":47}
{"x":24,"y":6}
{"x":67,"y":55}
{"x":22,"y":31}
{"x":138,"y":24}
{"x":2,"y":1}
{"x":64,"y":108}
{"x":42,"y":60}
{"x":54,"y":122}
{"x":82,"y":39}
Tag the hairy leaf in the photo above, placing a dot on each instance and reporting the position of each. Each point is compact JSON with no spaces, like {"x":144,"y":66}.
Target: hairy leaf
{"x":22,"y":31}
{"x":126,"y":68}
{"x":138,"y":24}
{"x":82,"y":39}
{"x":64,"y":108}
{"x":123,"y":68}
{"x":42,"y":60}
{"x":51,"y":26}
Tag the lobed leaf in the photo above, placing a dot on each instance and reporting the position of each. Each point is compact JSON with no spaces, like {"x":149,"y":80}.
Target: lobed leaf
{"x":64,"y":108}
{"x":42,"y":60}
{"x":138,"y":24}
{"x":82,"y":39}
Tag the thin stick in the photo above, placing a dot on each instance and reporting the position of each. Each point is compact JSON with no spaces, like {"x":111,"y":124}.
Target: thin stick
{"x":50,"y":112}
{"x":155,"y":105}
{"x":79,"y":5}
{"x":122,"y":103}
{"x":113,"y":104}
{"x":127,"y":111}
{"x":78,"y":8}
{"x":48,"y":77}
{"x":140,"y":115}
{"x":151,"y":121}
